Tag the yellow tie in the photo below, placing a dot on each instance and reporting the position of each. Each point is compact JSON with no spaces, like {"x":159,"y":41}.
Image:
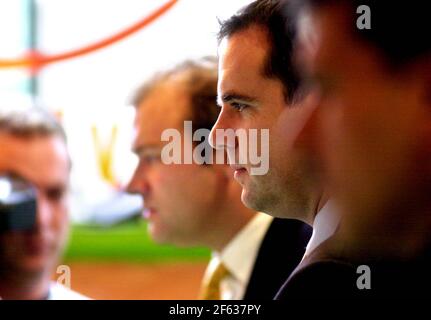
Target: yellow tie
{"x":211,"y":285}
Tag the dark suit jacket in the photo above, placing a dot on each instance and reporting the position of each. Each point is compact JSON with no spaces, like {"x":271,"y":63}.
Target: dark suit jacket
{"x":320,"y":275}
{"x":330,"y":273}
{"x":280,"y":252}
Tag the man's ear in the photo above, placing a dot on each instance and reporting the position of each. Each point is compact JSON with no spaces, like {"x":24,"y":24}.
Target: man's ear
{"x":306,"y":134}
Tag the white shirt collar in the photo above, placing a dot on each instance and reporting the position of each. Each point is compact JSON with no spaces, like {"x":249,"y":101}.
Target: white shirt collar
{"x":240,"y":254}
{"x":324,"y":226}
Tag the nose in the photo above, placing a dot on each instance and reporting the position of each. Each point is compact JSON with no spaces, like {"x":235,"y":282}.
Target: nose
{"x":138,"y":183}
{"x":219,"y":135}
{"x":44,"y":212}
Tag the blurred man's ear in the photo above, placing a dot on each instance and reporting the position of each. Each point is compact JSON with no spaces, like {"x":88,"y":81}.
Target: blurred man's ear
{"x":306,"y":136}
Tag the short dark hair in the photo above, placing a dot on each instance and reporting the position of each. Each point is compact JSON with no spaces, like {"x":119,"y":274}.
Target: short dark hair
{"x":30,"y":122}
{"x":201,"y":84}
{"x":398,"y":31}
{"x":282,"y":32}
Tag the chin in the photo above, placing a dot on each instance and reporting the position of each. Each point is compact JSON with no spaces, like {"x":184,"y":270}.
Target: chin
{"x":166,"y":238}
{"x":249,"y":200}
{"x":157,"y":235}
{"x":261,"y":202}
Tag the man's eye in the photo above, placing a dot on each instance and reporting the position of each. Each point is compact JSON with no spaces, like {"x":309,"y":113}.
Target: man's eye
{"x":150,"y":159}
{"x":55,"y":194}
{"x":238,"y":106}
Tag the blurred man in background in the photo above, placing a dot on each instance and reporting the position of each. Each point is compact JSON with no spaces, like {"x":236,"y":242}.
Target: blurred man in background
{"x":200,"y":204}
{"x":259,"y":88}
{"x":372,"y":129}
{"x":33,"y":147}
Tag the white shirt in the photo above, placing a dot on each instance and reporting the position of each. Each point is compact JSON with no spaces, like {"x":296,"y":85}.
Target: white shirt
{"x":324,"y":226}
{"x":60,"y":292}
{"x":239,"y":257}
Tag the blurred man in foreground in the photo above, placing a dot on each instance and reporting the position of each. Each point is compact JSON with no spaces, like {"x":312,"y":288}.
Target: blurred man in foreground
{"x":199,"y":204}
{"x":33,"y":147}
{"x":372,"y":129}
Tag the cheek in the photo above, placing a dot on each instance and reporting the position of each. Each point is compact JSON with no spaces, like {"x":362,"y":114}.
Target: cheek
{"x":165,"y":178}
{"x":170,"y":183}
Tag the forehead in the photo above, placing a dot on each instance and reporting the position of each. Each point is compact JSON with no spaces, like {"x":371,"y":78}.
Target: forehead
{"x":242,"y":57}
{"x":165,"y":107}
{"x":42,"y":160}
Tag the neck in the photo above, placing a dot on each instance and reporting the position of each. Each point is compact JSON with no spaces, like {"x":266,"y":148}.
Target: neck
{"x":316,"y":204}
{"x":22,"y":286}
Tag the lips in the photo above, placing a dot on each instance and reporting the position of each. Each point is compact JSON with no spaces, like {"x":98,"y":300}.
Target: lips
{"x":148,"y":213}
{"x":239,"y":172}
{"x":237,"y":167}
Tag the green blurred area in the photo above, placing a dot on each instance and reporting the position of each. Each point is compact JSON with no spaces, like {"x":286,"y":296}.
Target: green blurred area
{"x":127,"y":242}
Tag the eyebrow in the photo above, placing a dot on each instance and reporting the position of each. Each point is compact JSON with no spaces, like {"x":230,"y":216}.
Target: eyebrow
{"x":229,"y":97}
{"x":140,"y":149}
{"x":62,"y":185}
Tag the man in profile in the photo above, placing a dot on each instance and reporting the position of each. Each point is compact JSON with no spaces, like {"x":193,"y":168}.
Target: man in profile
{"x":199,"y":204}
{"x":259,"y":88}
{"x":33,"y":147}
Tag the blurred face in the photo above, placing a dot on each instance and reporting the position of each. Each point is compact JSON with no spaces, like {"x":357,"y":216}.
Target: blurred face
{"x":251,"y":100}
{"x":371,"y":123}
{"x":44,"y":162}
{"x":181,"y":200}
